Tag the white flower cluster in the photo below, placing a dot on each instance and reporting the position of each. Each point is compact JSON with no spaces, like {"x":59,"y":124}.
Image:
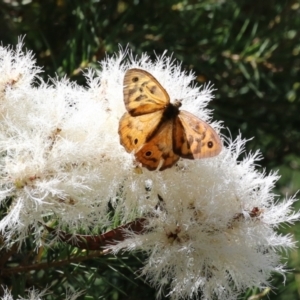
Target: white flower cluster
{"x":59,"y":147}
{"x":213,"y":227}
{"x":33,"y":294}
{"x":211,"y":222}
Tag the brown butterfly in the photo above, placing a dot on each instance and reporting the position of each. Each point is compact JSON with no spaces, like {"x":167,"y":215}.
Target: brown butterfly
{"x":156,"y":131}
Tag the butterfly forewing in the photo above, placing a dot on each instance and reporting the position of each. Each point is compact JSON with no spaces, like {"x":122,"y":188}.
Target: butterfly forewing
{"x":158,"y":152}
{"x":135,"y":131}
{"x":143,"y":94}
{"x":194,"y":138}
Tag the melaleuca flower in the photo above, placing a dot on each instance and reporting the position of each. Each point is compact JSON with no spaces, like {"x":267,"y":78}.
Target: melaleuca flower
{"x":211,"y":231}
{"x":33,"y":294}
{"x":210,"y":223}
{"x":60,"y":151}
{"x":59,"y":142}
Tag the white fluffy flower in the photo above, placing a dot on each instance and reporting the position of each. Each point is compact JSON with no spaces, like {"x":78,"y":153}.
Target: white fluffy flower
{"x":60,"y":151}
{"x":210,"y":222}
{"x":33,"y":294}
{"x":213,"y":227}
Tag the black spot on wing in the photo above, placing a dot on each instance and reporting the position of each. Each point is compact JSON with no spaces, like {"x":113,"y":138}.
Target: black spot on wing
{"x":132,"y":91}
{"x":153,"y":89}
{"x":140,"y":98}
{"x":210,"y":144}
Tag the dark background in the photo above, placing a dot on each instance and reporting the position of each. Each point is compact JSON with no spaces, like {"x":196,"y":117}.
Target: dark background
{"x":249,"y":50}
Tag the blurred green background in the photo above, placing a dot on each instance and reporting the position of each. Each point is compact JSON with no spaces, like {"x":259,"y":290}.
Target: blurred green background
{"x":249,"y":50}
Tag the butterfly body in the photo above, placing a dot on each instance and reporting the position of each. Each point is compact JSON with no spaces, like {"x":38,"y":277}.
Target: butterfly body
{"x":156,"y":130}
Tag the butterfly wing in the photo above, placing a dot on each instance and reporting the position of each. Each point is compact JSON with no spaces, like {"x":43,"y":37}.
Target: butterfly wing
{"x":135,"y":131}
{"x":194,"y":138}
{"x":158,"y":153}
{"x":143,"y":94}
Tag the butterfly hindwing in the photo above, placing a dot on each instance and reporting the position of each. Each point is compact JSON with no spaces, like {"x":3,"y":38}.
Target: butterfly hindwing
{"x":143,"y":94}
{"x":135,"y":131}
{"x":158,"y":153}
{"x":194,"y":138}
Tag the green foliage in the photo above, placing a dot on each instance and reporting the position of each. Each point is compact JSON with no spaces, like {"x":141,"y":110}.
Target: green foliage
{"x":66,"y":268}
{"x":249,"y":50}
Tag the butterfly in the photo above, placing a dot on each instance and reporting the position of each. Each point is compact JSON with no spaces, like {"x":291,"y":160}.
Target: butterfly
{"x":156,"y":131}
